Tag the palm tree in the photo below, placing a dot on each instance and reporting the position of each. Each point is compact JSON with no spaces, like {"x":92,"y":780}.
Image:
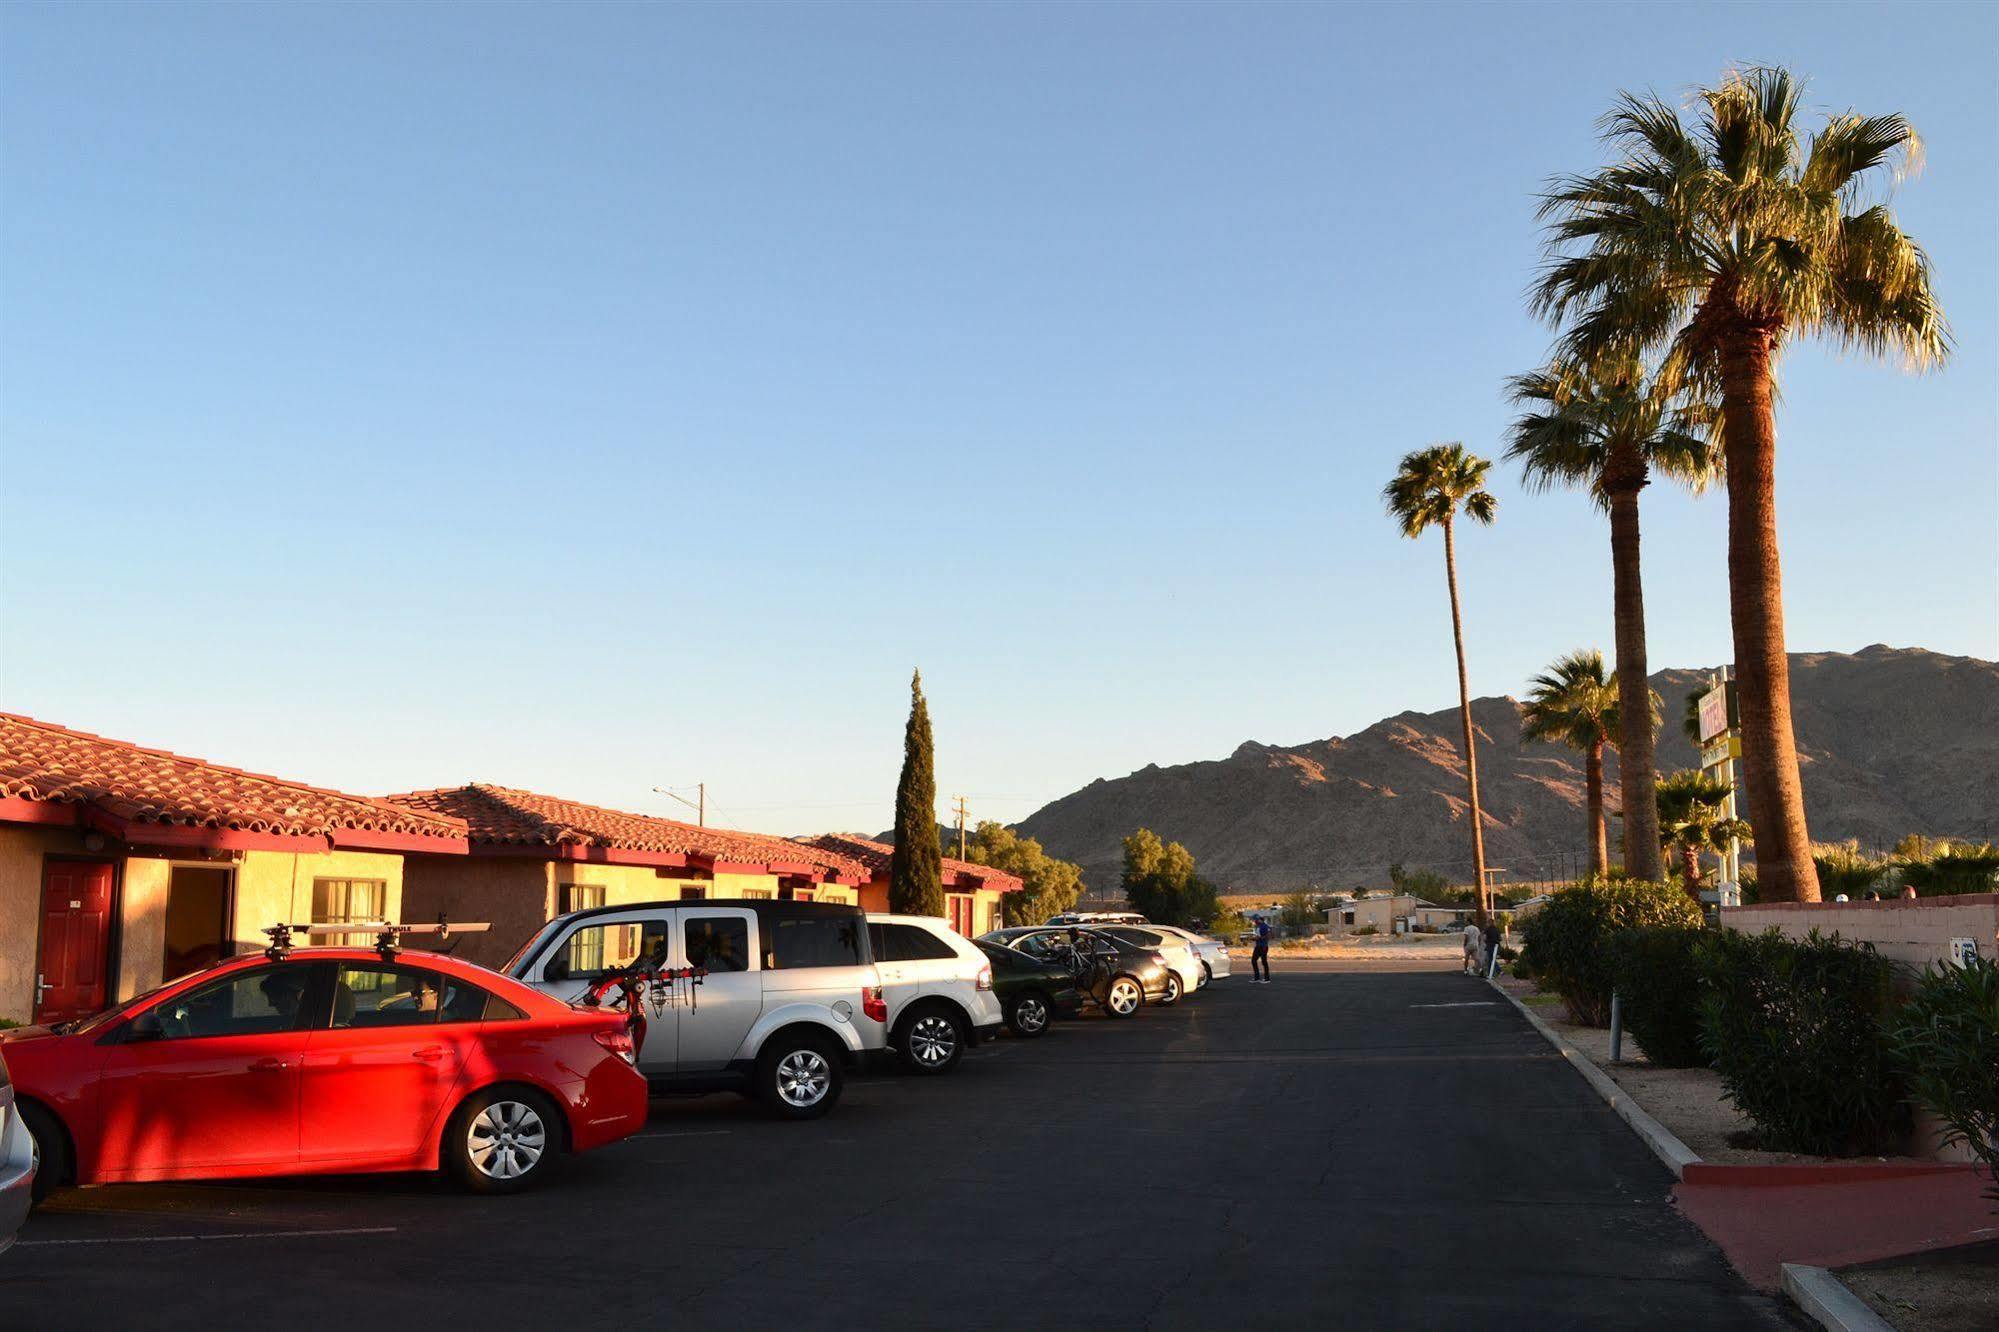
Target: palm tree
{"x":1691,"y":821}
{"x":1575,"y":704}
{"x":1720,"y":241}
{"x":1607,"y":428}
{"x":1430,"y":488}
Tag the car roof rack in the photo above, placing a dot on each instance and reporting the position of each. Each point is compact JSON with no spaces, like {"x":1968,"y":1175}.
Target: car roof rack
{"x":388,"y":934}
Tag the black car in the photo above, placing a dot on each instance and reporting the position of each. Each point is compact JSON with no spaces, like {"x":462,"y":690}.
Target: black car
{"x":1118,"y":976}
{"x":1032,"y":991}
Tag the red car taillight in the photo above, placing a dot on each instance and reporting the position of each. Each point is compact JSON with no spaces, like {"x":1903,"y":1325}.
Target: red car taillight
{"x":985,"y":981}
{"x":617,"y":1040}
{"x":874,"y":1003}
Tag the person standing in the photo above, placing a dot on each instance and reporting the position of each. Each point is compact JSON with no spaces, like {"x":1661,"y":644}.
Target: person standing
{"x":1474,"y":948}
{"x":1492,"y":937}
{"x":1259,"y":956}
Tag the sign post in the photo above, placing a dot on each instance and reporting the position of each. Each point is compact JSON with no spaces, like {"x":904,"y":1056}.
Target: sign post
{"x":1721,"y":745}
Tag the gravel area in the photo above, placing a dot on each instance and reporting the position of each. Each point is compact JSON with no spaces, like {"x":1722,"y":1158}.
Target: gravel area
{"x":1950,"y":1290}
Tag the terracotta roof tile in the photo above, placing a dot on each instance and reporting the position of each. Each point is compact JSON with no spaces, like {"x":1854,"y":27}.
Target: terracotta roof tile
{"x":505,"y":816}
{"x":877,"y":856}
{"x":41,"y":761}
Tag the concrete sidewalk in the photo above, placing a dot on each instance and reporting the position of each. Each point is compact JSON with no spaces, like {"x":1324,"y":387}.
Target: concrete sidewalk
{"x":1760,"y":1226}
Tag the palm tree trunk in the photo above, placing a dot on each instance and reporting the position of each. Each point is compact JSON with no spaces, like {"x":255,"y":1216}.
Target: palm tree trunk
{"x":1690,"y":867}
{"x":1471,"y":751}
{"x":1636,"y":779}
{"x":1599,"y":844}
{"x":1771,"y":784}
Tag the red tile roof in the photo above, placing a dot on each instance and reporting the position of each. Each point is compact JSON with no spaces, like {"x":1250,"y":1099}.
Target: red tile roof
{"x":503,"y":816}
{"x":129,"y":789}
{"x":960,"y":874}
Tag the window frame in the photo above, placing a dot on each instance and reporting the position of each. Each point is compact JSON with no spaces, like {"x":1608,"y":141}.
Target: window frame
{"x":359,"y":938}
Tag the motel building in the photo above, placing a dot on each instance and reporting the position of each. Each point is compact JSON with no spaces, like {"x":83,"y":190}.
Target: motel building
{"x":122,"y":867}
{"x":973,"y":894}
{"x":533,"y":857}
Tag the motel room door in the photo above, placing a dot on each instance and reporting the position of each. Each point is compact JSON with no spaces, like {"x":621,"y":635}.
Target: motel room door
{"x":73,"y":965}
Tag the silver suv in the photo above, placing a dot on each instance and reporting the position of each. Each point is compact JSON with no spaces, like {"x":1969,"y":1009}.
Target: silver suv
{"x":786,"y":998}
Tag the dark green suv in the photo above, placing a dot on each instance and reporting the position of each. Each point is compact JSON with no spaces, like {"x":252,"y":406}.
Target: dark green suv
{"x":1031,"y":992}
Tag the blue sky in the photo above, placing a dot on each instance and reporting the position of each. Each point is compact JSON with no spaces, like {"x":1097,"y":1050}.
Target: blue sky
{"x":591,"y":399}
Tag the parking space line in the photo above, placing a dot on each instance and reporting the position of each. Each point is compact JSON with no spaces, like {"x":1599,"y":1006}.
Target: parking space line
{"x":235,"y":1235}
{"x":699,"y":1133}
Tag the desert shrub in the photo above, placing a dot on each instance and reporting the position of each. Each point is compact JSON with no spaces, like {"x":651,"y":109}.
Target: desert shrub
{"x":1953,"y":867}
{"x":1946,"y":1040}
{"x":1566,"y":942}
{"x":1366,"y":929}
{"x":1653,"y":969}
{"x":1797,"y":1031}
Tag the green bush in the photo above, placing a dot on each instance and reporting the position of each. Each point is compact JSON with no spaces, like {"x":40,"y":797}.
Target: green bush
{"x":1653,"y":968}
{"x":1366,"y":929}
{"x":1947,"y":1041}
{"x":1566,"y":942}
{"x":1844,"y":868}
{"x":1954,"y":867}
{"x":1797,"y":1032}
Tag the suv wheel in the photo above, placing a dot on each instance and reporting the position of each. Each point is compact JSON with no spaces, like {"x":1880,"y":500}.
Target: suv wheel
{"x":1124,"y":997}
{"x":1028,"y":1015}
{"x":502,"y":1140}
{"x":932,"y":1040}
{"x":799,"y":1076}
{"x":1174,"y":989}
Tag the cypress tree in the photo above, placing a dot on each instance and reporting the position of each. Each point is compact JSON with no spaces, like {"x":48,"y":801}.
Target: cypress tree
{"x":916,"y":872}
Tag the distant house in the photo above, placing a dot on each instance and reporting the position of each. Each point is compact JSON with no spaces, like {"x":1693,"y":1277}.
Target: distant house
{"x":1432,"y":916}
{"x":533,"y":857}
{"x":1378,"y":915}
{"x":973,"y":894}
{"x":122,"y":867}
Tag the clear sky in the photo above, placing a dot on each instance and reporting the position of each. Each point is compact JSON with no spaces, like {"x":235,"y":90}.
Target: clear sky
{"x":590,"y":399}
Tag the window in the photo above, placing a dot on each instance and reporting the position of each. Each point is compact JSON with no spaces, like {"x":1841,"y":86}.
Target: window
{"x":757,"y":894}
{"x":579,"y":897}
{"x":692,"y":894}
{"x":253,"y":1003}
{"x":815,"y":942}
{"x":341,"y":901}
{"x":718,"y":943}
{"x":602,"y":946}
{"x":906,"y":943}
{"x":367,"y":995}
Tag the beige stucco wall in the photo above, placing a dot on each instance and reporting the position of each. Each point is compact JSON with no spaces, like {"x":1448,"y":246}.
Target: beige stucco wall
{"x":1915,"y":931}
{"x":1380,"y":912}
{"x":21,"y":851}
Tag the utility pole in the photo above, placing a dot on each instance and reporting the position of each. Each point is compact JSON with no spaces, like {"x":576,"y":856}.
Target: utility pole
{"x":699,"y":804}
{"x":961,"y":826}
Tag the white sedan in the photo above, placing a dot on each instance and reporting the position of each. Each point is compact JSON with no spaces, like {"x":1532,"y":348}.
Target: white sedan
{"x":1213,"y":954}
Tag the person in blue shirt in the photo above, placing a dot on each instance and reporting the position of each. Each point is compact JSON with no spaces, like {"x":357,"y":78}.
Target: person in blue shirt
{"x":1259,"y":956}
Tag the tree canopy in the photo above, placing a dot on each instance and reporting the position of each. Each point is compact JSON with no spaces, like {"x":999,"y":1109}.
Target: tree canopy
{"x":1159,"y":880}
{"x":1051,"y":885}
{"x":916,"y":870}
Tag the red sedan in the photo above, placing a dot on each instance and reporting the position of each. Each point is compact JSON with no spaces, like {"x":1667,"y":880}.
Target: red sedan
{"x":326,"y":1060}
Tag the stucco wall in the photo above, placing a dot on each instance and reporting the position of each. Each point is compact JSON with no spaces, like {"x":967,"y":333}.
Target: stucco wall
{"x":21,"y":851}
{"x":1915,"y":931}
{"x":514,"y":896}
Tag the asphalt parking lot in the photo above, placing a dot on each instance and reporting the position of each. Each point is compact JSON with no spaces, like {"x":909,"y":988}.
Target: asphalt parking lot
{"x":1354,"y":1144}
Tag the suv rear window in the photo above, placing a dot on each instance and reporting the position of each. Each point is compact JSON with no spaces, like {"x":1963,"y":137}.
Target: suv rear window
{"x":907,"y":943}
{"x":834,"y":941}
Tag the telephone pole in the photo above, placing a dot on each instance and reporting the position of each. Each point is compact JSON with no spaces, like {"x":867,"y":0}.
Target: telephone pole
{"x":961,"y":826}
{"x":699,"y":804}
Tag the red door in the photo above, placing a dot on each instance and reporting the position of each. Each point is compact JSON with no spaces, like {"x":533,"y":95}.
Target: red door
{"x":961,"y":915}
{"x":73,"y":963}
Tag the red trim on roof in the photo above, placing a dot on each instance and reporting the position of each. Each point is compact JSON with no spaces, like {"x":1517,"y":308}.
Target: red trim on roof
{"x":878,"y":856}
{"x":20,"y":809}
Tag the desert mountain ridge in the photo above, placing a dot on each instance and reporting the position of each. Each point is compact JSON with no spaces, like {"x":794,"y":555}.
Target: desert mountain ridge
{"x":1891,"y":741}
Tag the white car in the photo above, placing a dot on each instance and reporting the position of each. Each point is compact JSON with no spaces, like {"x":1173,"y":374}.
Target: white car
{"x":1185,"y":972}
{"x":1213,"y":954}
{"x":939,"y":988}
{"x":17,"y":1164}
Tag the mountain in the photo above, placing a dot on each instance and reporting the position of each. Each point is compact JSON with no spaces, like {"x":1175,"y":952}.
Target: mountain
{"x":1890,"y":740}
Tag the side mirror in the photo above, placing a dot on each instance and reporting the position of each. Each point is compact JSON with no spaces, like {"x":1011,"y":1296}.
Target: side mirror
{"x":557,"y":968}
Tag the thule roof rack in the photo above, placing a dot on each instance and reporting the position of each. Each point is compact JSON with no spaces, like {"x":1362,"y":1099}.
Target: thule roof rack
{"x":388,"y":934}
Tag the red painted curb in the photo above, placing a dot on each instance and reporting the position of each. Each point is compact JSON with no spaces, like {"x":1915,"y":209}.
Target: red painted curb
{"x":1838,"y":1172}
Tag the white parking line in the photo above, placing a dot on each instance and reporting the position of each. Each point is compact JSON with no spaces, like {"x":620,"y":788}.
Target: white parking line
{"x":1468,"y":1003}
{"x":704,"y":1133}
{"x":235,"y":1235}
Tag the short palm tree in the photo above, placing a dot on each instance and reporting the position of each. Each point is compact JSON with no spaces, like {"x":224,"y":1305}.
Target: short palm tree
{"x":1691,"y":820}
{"x":1575,"y":704}
{"x":1606,"y":427}
{"x":1430,"y":489}
{"x":1720,"y":241}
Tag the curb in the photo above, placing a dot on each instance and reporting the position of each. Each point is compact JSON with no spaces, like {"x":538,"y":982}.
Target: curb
{"x":1676,"y":1155}
{"x":1837,"y":1172}
{"x":1826,"y":1300}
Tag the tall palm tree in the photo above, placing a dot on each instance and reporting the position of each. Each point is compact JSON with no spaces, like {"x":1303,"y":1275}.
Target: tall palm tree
{"x":1607,"y":428}
{"x":1691,"y":821}
{"x":1575,"y":704}
{"x":1430,"y":489}
{"x":1720,"y":238}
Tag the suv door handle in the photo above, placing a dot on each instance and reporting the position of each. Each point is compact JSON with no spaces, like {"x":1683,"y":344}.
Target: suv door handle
{"x":430,"y":1054}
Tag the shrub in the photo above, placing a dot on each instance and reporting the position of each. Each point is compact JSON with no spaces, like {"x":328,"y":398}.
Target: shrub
{"x":1953,"y":867}
{"x":1844,"y":868}
{"x":1366,"y":929}
{"x":1653,"y":968}
{"x":1947,"y":1042}
{"x":1796,"y":1030}
{"x":1565,"y":943}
